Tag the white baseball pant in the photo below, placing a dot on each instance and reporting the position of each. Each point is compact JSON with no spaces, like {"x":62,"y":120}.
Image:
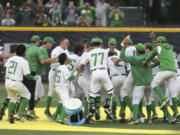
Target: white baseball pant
{"x":84,"y":83}
{"x":128,"y":86}
{"x":63,"y":94}
{"x":52,"y":79}
{"x":117,"y":82}
{"x":138,"y":93}
{"x":168,"y":76}
{"x":15,"y":88}
{"x":39,"y":91}
{"x":100,"y":79}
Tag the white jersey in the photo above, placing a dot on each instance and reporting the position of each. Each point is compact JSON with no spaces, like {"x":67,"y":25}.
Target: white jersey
{"x":74,"y":61}
{"x":130,"y":51}
{"x":116,"y":50}
{"x":97,"y":58}
{"x":118,"y":68}
{"x":62,"y":75}
{"x":16,"y":68}
{"x":55,"y":53}
{"x":86,"y":71}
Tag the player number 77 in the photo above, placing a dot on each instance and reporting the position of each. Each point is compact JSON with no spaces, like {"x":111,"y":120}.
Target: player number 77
{"x":95,"y":55}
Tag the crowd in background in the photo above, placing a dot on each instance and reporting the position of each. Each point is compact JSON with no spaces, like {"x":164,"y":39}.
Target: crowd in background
{"x":57,"y":13}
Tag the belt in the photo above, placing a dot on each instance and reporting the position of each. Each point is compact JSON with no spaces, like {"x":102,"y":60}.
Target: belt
{"x":123,"y":74}
{"x":114,"y":75}
{"x":53,"y":69}
{"x":11,"y":79}
{"x":97,"y":69}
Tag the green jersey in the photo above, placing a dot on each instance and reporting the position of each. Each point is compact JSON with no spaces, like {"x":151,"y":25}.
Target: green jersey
{"x":90,"y":12}
{"x":141,"y":75}
{"x":41,"y":67}
{"x":165,"y":57}
{"x":116,"y":19}
{"x":33,"y":56}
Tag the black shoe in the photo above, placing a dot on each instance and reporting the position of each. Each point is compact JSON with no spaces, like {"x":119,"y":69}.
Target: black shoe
{"x":89,"y":118}
{"x":1,"y":114}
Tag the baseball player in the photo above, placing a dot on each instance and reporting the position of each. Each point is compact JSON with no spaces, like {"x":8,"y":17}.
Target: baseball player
{"x":116,"y":78}
{"x":163,"y":86}
{"x":74,"y":60}
{"x":128,"y":84}
{"x":142,"y":77}
{"x":116,"y":70}
{"x":16,"y":67}
{"x":62,"y":48}
{"x":167,"y":73}
{"x":6,"y":101}
{"x":47,"y":45}
{"x":84,"y":81}
{"x":62,"y":85}
{"x":34,"y":57}
{"x":98,"y":66}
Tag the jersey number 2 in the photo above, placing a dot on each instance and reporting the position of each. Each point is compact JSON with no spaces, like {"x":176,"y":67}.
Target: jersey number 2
{"x":12,"y":68}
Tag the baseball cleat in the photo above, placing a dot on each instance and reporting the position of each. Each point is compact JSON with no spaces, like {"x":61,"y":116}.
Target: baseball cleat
{"x":131,"y":117}
{"x":164,"y":103}
{"x":141,"y":120}
{"x":174,"y":120}
{"x":89,"y":118}
{"x":149,"y":121}
{"x":133,"y":122}
{"x":48,"y":114}
{"x":18,"y":118}
{"x":61,"y":122}
{"x":109,"y":114}
{"x":155,"y":117}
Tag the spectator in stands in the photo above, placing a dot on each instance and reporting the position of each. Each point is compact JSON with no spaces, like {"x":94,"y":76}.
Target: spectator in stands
{"x":25,"y":16}
{"x":46,"y":21}
{"x":30,"y":4}
{"x":40,"y":8}
{"x":56,"y":14}
{"x":116,"y":17}
{"x":71,"y":14}
{"x":50,"y":4}
{"x":83,"y":20}
{"x":101,"y":11}
{"x":90,"y":11}
{"x":8,"y":21}
{"x":10,"y":9}
{"x":1,"y":11}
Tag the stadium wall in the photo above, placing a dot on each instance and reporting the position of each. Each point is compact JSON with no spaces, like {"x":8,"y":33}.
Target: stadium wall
{"x":76,"y":34}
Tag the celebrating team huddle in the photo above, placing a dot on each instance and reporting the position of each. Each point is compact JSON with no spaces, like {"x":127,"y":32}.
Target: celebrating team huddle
{"x":93,"y":76}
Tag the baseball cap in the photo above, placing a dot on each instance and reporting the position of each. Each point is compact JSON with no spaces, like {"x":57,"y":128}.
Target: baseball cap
{"x":112,"y":41}
{"x":130,"y":41}
{"x":160,"y":39}
{"x":35,"y":38}
{"x":96,"y":40}
{"x":49,"y":39}
{"x":140,"y":47}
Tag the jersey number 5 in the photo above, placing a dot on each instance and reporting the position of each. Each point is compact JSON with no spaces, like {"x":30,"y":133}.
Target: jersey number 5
{"x":95,"y":55}
{"x":12,"y":68}
{"x":58,"y":77}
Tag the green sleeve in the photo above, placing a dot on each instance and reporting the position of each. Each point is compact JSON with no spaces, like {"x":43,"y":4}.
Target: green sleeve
{"x":153,"y":45}
{"x":39,"y":55}
{"x":130,"y":59}
{"x":72,"y":77}
{"x":29,"y":77}
{"x":151,"y":55}
{"x":155,"y":64}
